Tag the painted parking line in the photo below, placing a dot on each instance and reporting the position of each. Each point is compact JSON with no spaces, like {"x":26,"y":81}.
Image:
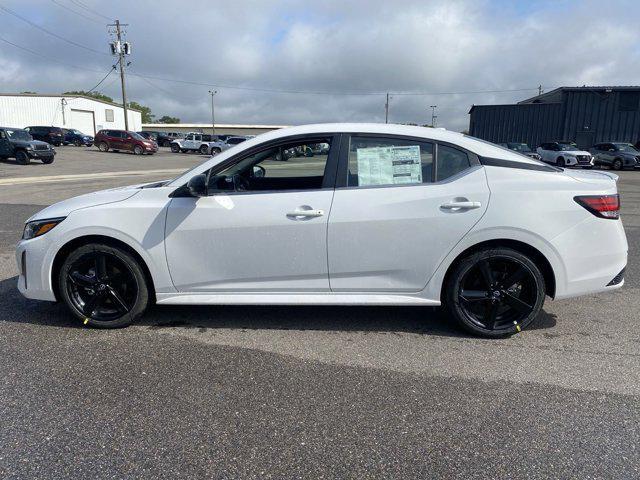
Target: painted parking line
{"x":88,"y":176}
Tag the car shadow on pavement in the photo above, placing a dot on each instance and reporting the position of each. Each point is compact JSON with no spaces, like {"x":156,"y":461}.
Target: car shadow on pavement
{"x":418,"y":320}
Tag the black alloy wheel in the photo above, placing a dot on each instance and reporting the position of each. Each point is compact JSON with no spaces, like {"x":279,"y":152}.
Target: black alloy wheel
{"x":495,"y":292}
{"x":77,"y":143}
{"x":103,"y":286}
{"x":617,"y":164}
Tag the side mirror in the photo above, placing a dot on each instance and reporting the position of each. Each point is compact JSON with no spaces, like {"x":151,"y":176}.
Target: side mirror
{"x":197,"y":186}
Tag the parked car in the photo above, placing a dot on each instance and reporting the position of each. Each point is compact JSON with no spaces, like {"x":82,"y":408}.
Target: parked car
{"x":565,"y":154}
{"x":19,"y":144}
{"x":117,"y":140}
{"x":616,"y":155}
{"x":51,"y":135}
{"x":76,"y":137}
{"x":231,"y":141}
{"x":448,"y":227}
{"x":163,"y":139}
{"x":522,"y":148}
{"x":198,"y":142}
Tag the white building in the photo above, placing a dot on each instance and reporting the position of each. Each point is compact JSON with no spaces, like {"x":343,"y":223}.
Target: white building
{"x":66,"y":111}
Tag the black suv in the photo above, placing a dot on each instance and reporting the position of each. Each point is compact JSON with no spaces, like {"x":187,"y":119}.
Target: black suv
{"x":163,"y":139}
{"x":52,"y":135}
{"x":17,"y":143}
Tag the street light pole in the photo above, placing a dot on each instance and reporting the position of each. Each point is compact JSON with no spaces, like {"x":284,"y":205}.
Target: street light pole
{"x":433,"y":115}
{"x":386,"y":110}
{"x":213,"y":112}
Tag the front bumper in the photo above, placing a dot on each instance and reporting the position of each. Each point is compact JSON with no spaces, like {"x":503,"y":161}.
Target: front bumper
{"x":39,"y":154}
{"x":32,"y":258}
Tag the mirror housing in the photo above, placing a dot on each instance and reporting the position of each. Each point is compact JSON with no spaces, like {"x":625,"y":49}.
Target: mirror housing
{"x":197,"y":186}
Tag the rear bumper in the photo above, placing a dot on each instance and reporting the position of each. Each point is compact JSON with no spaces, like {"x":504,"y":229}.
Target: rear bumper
{"x":594,"y":253}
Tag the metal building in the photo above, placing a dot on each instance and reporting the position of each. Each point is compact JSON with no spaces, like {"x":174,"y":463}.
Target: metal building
{"x":221,"y":128}
{"x":85,"y":114}
{"x":584,"y":115}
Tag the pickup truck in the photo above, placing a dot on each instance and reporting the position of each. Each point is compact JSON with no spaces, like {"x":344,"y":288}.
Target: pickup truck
{"x":198,"y":142}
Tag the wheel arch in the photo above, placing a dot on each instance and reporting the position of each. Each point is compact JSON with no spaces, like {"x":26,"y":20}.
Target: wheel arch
{"x":71,"y":245}
{"x":526,"y":249}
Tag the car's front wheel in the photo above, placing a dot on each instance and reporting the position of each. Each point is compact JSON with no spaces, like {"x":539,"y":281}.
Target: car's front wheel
{"x":495,"y":292}
{"x":175,"y":148}
{"x":617,"y":164}
{"x":103,"y":286}
{"x":138,"y":150}
{"x":560,"y":162}
{"x":22,"y":157}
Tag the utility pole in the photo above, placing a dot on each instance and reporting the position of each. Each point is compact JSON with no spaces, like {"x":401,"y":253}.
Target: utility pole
{"x":213,"y":113}
{"x":120,"y":49}
{"x":386,"y":110}
{"x":433,"y":115}
{"x":540,"y":90}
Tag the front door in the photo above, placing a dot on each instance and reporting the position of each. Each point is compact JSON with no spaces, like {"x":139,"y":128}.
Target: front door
{"x":5,"y":146}
{"x":262,"y":228}
{"x":403,"y":206}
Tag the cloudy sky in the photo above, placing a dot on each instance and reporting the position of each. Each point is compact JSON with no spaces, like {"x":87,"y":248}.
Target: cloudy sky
{"x":342,"y":55}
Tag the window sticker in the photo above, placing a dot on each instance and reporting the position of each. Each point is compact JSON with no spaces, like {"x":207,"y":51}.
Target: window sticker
{"x":389,"y":165}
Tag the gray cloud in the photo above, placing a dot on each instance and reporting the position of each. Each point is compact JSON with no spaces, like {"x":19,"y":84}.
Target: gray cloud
{"x":357,"y":46}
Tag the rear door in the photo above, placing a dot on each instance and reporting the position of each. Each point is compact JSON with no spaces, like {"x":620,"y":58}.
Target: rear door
{"x":401,"y":204}
{"x":5,"y":146}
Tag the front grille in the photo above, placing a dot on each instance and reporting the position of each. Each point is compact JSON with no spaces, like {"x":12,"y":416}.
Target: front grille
{"x":617,"y":279}
{"x":40,"y":147}
{"x":583,"y":159}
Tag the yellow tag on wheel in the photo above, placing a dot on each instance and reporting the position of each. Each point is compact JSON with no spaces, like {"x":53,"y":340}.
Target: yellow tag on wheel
{"x":86,"y":320}
{"x":518,"y":328}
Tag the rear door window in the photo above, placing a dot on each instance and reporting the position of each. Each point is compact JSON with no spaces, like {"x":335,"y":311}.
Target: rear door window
{"x":450,"y":162}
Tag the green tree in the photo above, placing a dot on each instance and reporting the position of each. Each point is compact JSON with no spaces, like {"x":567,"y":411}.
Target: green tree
{"x":168,"y":119}
{"x":96,"y":95}
{"x":34,"y":93}
{"x":147,"y":116}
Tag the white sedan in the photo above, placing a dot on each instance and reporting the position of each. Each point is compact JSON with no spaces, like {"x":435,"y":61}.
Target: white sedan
{"x":387,"y":215}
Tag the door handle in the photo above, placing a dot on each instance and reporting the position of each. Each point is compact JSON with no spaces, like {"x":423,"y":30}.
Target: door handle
{"x":306,"y":213}
{"x":460,"y":205}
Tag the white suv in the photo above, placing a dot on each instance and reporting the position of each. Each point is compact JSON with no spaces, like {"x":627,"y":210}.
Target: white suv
{"x":565,"y":154}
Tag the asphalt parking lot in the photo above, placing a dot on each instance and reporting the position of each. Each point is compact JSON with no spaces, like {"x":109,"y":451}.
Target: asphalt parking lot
{"x":306,"y":392}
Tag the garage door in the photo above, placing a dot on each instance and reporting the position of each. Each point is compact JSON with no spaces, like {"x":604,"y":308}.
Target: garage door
{"x":83,"y":120}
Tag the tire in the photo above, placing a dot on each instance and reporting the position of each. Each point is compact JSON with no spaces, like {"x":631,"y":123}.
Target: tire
{"x":123,"y":274}
{"x":204,"y":149}
{"x":22,"y":158}
{"x":103,"y":146}
{"x":215,"y":151}
{"x":47,"y":161}
{"x":617,"y":164}
{"x":138,"y":150}
{"x":560,"y":162}
{"x":77,"y":143}
{"x":175,"y":148}
{"x":497,"y":315}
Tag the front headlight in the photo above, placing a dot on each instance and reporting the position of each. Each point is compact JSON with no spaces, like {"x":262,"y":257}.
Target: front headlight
{"x":29,"y":147}
{"x":39,"y":227}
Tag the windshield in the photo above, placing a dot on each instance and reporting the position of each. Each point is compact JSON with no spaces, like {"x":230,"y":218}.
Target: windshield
{"x":519,"y":147}
{"x":136,"y":136}
{"x":76,"y":132}
{"x":625,"y":147}
{"x":19,"y":135}
{"x":567,"y":147}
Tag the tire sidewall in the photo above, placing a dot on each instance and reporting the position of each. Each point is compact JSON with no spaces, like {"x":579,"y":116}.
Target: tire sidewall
{"x":138,"y":150}
{"x":103,"y":147}
{"x":453,"y":289}
{"x":142,"y":300}
{"x":22,"y":157}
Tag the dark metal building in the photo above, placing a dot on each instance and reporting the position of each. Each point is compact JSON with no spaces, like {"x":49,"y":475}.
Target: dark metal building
{"x":584,"y":115}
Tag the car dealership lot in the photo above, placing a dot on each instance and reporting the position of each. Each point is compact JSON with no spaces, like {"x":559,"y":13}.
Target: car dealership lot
{"x":306,"y":391}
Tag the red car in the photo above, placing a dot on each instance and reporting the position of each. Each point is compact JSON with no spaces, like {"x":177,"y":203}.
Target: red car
{"x":117,"y":140}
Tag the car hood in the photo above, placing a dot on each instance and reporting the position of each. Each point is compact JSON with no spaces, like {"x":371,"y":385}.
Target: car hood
{"x":574,"y":152}
{"x":64,"y":208}
{"x":24,"y":143}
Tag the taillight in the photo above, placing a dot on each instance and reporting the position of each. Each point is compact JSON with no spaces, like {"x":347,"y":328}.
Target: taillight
{"x":603,"y":206}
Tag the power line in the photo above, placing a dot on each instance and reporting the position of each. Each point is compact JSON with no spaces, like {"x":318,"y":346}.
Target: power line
{"x":89,"y":9}
{"x":53,"y":34}
{"x":103,"y":79}
{"x":87,"y":17}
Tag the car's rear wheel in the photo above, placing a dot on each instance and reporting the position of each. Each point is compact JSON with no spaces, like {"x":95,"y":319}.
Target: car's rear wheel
{"x":103,"y":286}
{"x":22,"y":158}
{"x":138,"y":150}
{"x":204,"y":149}
{"x":103,"y":146}
{"x":617,"y":164}
{"x":495,"y":292}
{"x":77,"y":143}
{"x":175,"y":148}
